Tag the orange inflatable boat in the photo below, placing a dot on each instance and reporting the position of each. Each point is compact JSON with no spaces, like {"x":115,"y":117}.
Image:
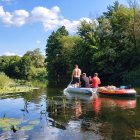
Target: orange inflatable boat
{"x":114,"y":91}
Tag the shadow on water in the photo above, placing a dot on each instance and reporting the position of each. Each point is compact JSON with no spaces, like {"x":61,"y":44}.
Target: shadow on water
{"x":50,"y":114}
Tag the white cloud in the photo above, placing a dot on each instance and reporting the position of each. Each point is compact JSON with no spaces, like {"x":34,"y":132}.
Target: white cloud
{"x":10,"y":54}
{"x":43,"y":14}
{"x":17,"y":18}
{"x":51,"y":19}
{"x":5,"y":17}
{"x":48,"y":17}
{"x":20,"y":17}
{"x":86,"y":19}
{"x":71,"y":26}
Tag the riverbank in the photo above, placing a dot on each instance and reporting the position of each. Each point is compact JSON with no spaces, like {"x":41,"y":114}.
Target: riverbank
{"x":16,"y":89}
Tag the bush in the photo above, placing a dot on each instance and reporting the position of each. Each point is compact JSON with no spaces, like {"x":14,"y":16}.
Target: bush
{"x":133,"y":78}
{"x":4,"y":80}
{"x":40,"y":74}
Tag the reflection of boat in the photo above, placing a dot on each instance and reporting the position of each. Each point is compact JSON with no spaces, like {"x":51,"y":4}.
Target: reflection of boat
{"x":126,"y":104}
{"x":79,"y":96}
{"x":109,"y":102}
{"x":113,"y":91}
{"x":72,"y":89}
{"x":78,"y":108}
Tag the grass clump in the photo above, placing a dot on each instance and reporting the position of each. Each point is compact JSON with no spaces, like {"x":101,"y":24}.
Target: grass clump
{"x":5,"y":80}
{"x":8,"y":85}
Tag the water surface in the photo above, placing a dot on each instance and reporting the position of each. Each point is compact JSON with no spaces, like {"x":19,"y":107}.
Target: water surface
{"x":50,"y":115}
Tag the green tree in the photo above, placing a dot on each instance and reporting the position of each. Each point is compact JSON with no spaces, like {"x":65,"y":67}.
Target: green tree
{"x":54,"y":56}
{"x":86,"y":47}
{"x":12,"y":69}
{"x":115,"y":43}
{"x":134,"y":32}
{"x":36,"y":57}
{"x":25,"y":66}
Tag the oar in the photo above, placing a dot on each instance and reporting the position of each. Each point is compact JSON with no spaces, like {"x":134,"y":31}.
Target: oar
{"x":69,"y":83}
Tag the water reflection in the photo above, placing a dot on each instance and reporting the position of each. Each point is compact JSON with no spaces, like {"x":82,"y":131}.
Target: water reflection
{"x":48,"y":114}
{"x":78,"y":108}
{"x":109,"y":102}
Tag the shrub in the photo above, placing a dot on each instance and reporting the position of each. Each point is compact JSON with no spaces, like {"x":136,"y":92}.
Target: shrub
{"x":4,"y":80}
{"x":133,"y":78}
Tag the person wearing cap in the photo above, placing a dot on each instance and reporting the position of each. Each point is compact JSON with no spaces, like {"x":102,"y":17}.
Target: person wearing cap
{"x":85,"y":81}
{"x":96,"y":81}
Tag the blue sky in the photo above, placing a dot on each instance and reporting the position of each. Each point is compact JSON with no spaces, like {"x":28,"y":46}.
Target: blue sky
{"x":26,"y":24}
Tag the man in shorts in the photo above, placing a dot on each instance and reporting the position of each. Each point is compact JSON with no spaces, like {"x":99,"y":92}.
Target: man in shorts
{"x":76,"y":73}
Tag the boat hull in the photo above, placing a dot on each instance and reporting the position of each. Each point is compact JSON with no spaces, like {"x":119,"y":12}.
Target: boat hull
{"x":118,"y":95}
{"x":117,"y":92}
{"x":88,"y":91}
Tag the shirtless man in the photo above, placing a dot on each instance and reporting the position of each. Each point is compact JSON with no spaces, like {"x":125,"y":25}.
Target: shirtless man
{"x":76,"y":76}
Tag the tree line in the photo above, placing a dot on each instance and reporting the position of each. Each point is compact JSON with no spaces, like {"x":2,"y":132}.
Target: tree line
{"x":28,"y":67}
{"x":109,"y":45}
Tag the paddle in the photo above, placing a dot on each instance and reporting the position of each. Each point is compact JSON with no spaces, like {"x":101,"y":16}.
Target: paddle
{"x":69,"y":83}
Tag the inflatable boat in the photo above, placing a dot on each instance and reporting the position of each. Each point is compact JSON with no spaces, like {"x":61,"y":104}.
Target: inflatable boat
{"x":118,"y":92}
{"x":82,"y":90}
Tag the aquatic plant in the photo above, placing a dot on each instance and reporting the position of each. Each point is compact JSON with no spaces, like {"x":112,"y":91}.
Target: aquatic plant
{"x":9,"y":124}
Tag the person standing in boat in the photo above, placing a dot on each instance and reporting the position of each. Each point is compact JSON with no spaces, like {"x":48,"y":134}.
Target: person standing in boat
{"x":76,"y":73}
{"x":96,"y":81}
{"x":90,"y":81}
{"x":85,"y":81}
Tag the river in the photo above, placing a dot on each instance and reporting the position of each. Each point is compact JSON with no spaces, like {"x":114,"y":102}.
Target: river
{"x":48,"y":114}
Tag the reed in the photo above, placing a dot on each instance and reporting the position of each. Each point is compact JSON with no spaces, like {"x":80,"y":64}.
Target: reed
{"x":8,"y":85}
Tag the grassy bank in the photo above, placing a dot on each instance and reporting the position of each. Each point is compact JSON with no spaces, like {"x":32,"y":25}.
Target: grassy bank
{"x":17,"y":89}
{"x":8,"y":85}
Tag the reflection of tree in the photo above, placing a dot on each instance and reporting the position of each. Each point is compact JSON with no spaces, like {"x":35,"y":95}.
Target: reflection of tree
{"x":116,"y":124}
{"x":59,"y":112}
{"x":108,"y":122}
{"x":32,"y":96}
{"x":27,"y":96}
{"x":25,"y":109}
{"x":60,"y":109}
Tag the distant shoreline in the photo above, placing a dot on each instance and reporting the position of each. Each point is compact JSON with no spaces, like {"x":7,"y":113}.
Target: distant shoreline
{"x":17,"y":89}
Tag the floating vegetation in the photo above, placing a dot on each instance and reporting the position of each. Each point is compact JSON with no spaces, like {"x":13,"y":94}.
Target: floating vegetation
{"x":6,"y":90}
{"x":28,"y":127}
{"x":34,"y":122}
{"x":14,"y":128}
{"x":9,"y":123}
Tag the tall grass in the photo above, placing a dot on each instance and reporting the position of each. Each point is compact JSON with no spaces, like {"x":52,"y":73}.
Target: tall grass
{"x":8,"y":85}
{"x":5,"y":80}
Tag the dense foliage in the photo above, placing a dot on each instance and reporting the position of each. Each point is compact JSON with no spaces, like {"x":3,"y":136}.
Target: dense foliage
{"x":28,"y":67}
{"x":109,"y":45}
{"x":4,"y":80}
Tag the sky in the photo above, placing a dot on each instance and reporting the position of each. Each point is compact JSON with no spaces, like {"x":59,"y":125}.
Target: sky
{"x":26,"y":24}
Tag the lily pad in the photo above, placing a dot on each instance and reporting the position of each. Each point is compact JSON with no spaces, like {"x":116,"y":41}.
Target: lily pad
{"x":34,"y":122}
{"x":28,"y":127}
{"x":6,"y":123}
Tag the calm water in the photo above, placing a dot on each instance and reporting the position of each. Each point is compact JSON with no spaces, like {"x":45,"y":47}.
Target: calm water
{"x":50,"y":115}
